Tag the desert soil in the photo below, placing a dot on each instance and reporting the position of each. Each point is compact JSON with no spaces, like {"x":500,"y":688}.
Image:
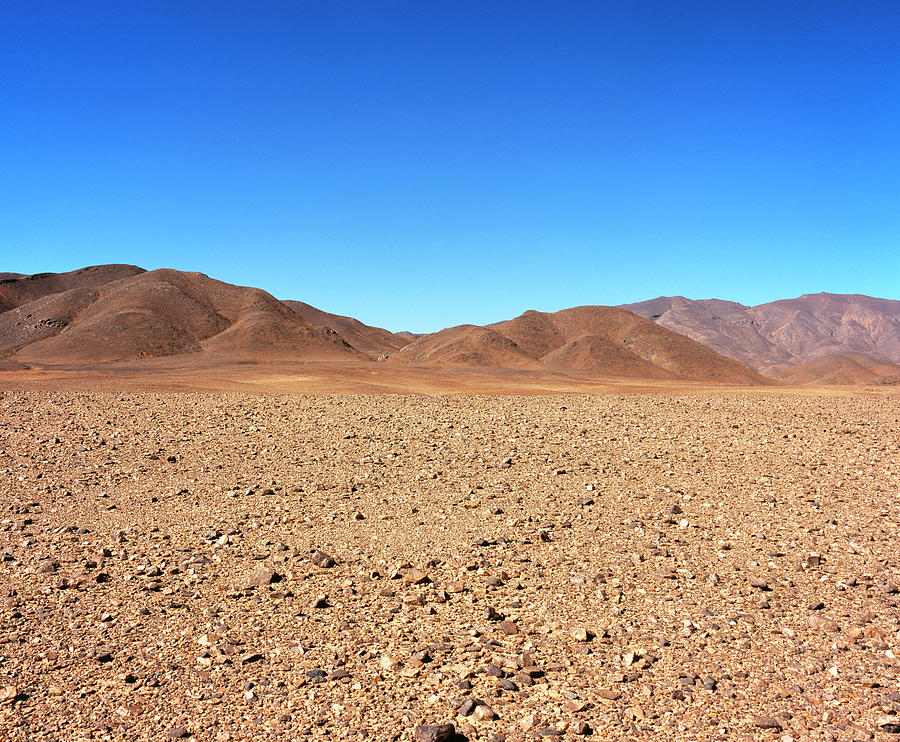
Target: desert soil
{"x":246,"y":567}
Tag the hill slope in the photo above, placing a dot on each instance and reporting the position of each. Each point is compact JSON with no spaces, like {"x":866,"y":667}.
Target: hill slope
{"x":778,"y":335}
{"x":162,"y":313}
{"x":842,"y":368}
{"x":606,"y":340}
{"x":373,"y":341}
{"x":16,"y":290}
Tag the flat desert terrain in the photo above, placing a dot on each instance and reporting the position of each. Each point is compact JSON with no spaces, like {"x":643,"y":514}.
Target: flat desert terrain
{"x":690,"y":566}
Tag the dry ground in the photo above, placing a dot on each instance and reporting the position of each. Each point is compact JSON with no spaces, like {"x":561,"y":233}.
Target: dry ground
{"x":668,"y":566}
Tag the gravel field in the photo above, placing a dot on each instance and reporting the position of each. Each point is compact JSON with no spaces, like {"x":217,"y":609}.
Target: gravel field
{"x":240,"y":567}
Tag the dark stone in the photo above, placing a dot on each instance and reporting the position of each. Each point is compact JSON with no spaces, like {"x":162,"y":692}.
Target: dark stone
{"x":436,"y":733}
{"x":321,"y":559}
{"x":767,"y":722}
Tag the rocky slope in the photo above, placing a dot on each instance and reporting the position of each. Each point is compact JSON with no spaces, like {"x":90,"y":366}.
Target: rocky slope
{"x":606,"y":340}
{"x":153,"y":314}
{"x":778,"y":335}
{"x":375,"y":342}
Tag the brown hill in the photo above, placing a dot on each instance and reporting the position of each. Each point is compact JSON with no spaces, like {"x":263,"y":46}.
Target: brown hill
{"x":162,"y":313}
{"x":16,"y":290}
{"x":606,"y":340}
{"x":842,"y":368}
{"x":466,"y":345}
{"x":778,"y":335}
{"x":373,"y":341}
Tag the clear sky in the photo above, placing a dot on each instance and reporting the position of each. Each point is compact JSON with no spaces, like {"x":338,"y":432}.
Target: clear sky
{"x":420,"y":164}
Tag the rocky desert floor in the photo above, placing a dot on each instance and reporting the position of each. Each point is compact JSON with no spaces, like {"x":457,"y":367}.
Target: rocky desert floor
{"x":244,"y":567}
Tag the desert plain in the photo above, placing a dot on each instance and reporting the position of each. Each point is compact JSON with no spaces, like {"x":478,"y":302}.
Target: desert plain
{"x":693,"y":563}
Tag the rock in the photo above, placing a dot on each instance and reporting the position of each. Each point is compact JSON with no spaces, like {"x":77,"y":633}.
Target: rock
{"x":889,"y":724}
{"x":767,"y":722}
{"x":321,"y":559}
{"x":388,"y":663}
{"x":8,"y":695}
{"x":492,"y":614}
{"x":177,"y":733}
{"x":820,"y":623}
{"x":262,"y":576}
{"x":467,"y":707}
{"x":759,"y":583}
{"x":483,"y":712}
{"x":509,"y":627}
{"x":581,"y":634}
{"x":435,"y":733}
{"x":415,"y":577}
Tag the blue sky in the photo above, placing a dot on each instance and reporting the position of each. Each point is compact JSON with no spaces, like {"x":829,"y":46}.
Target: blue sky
{"x":420,"y":164}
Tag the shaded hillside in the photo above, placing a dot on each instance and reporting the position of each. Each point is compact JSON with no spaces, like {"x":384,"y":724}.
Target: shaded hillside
{"x":18,"y":290}
{"x":163,"y":313}
{"x":466,"y":345}
{"x":606,"y":340}
{"x":373,"y":341}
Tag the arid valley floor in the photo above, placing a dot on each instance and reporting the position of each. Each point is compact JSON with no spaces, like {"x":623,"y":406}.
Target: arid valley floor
{"x":718,"y":565}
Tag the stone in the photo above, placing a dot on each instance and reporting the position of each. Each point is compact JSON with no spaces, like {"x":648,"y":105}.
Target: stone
{"x":483,"y":712}
{"x":820,"y":623}
{"x":262,"y":576}
{"x":8,"y":695}
{"x":435,"y":733}
{"x":387,"y":662}
{"x":177,"y":733}
{"x":321,"y":559}
{"x":415,"y":576}
{"x":581,"y":634}
{"x":889,"y":724}
{"x":509,"y":627}
{"x":767,"y":722}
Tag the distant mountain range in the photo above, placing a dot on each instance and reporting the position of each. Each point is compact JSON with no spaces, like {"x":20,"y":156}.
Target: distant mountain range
{"x":110,"y":313}
{"x":826,"y":335}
